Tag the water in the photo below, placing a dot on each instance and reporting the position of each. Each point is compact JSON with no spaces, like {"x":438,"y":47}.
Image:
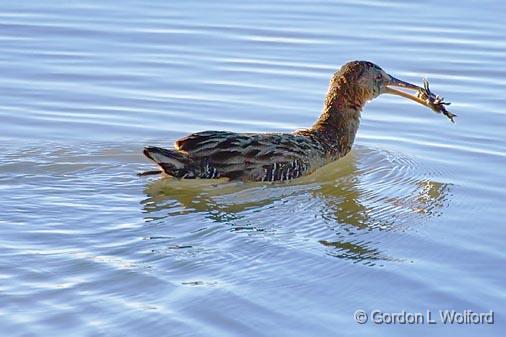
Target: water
{"x":412,"y":219}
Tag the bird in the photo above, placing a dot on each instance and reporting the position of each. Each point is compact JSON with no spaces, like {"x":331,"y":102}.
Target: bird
{"x":286,"y":156}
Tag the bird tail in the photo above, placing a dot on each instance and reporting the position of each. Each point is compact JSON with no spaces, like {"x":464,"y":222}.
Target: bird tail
{"x":172,"y":162}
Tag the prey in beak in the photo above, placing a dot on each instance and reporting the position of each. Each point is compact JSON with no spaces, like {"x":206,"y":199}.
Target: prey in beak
{"x":423,"y":95}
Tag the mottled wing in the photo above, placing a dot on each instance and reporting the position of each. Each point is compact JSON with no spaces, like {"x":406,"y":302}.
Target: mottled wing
{"x":202,"y":141}
{"x":260,"y":157}
{"x":275,"y":157}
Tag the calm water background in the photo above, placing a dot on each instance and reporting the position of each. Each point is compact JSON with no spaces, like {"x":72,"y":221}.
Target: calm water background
{"x":413,"y":219}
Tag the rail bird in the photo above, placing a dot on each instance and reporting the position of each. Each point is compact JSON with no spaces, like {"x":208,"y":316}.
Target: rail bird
{"x":286,"y":156}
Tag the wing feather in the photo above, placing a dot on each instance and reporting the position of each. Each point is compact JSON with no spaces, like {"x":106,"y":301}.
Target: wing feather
{"x":265,"y":157}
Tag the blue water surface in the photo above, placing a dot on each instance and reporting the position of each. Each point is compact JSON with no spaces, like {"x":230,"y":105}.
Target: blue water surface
{"x":411,"y":220}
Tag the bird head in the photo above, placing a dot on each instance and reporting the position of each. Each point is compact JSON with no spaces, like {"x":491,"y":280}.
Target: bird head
{"x":365,"y":81}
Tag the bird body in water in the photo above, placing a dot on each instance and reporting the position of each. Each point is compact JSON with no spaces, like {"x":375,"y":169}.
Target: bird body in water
{"x":286,"y":156}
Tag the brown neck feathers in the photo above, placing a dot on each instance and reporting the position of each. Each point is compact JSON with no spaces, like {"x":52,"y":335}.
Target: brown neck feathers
{"x":339,"y":121}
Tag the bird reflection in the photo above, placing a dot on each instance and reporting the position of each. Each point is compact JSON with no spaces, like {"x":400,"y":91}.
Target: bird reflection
{"x":368,"y":192}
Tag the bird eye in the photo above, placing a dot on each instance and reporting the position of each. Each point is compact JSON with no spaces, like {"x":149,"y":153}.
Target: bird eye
{"x":379,"y":77}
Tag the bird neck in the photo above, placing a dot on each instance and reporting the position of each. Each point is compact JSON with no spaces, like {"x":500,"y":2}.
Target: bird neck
{"x":338,"y":124}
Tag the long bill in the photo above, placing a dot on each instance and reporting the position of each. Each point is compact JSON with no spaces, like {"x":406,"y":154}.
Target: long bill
{"x":423,"y":96}
{"x":394,"y":82}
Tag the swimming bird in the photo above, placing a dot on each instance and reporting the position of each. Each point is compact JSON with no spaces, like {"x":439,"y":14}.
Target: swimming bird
{"x":286,"y":156}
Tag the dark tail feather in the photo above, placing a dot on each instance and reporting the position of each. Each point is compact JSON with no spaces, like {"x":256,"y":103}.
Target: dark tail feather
{"x":172,"y":162}
{"x":148,"y":173}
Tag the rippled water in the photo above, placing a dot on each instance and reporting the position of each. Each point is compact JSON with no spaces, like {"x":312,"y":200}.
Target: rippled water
{"x":412,"y":219}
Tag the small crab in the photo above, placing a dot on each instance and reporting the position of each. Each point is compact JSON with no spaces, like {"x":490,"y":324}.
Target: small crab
{"x":435,"y":102}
